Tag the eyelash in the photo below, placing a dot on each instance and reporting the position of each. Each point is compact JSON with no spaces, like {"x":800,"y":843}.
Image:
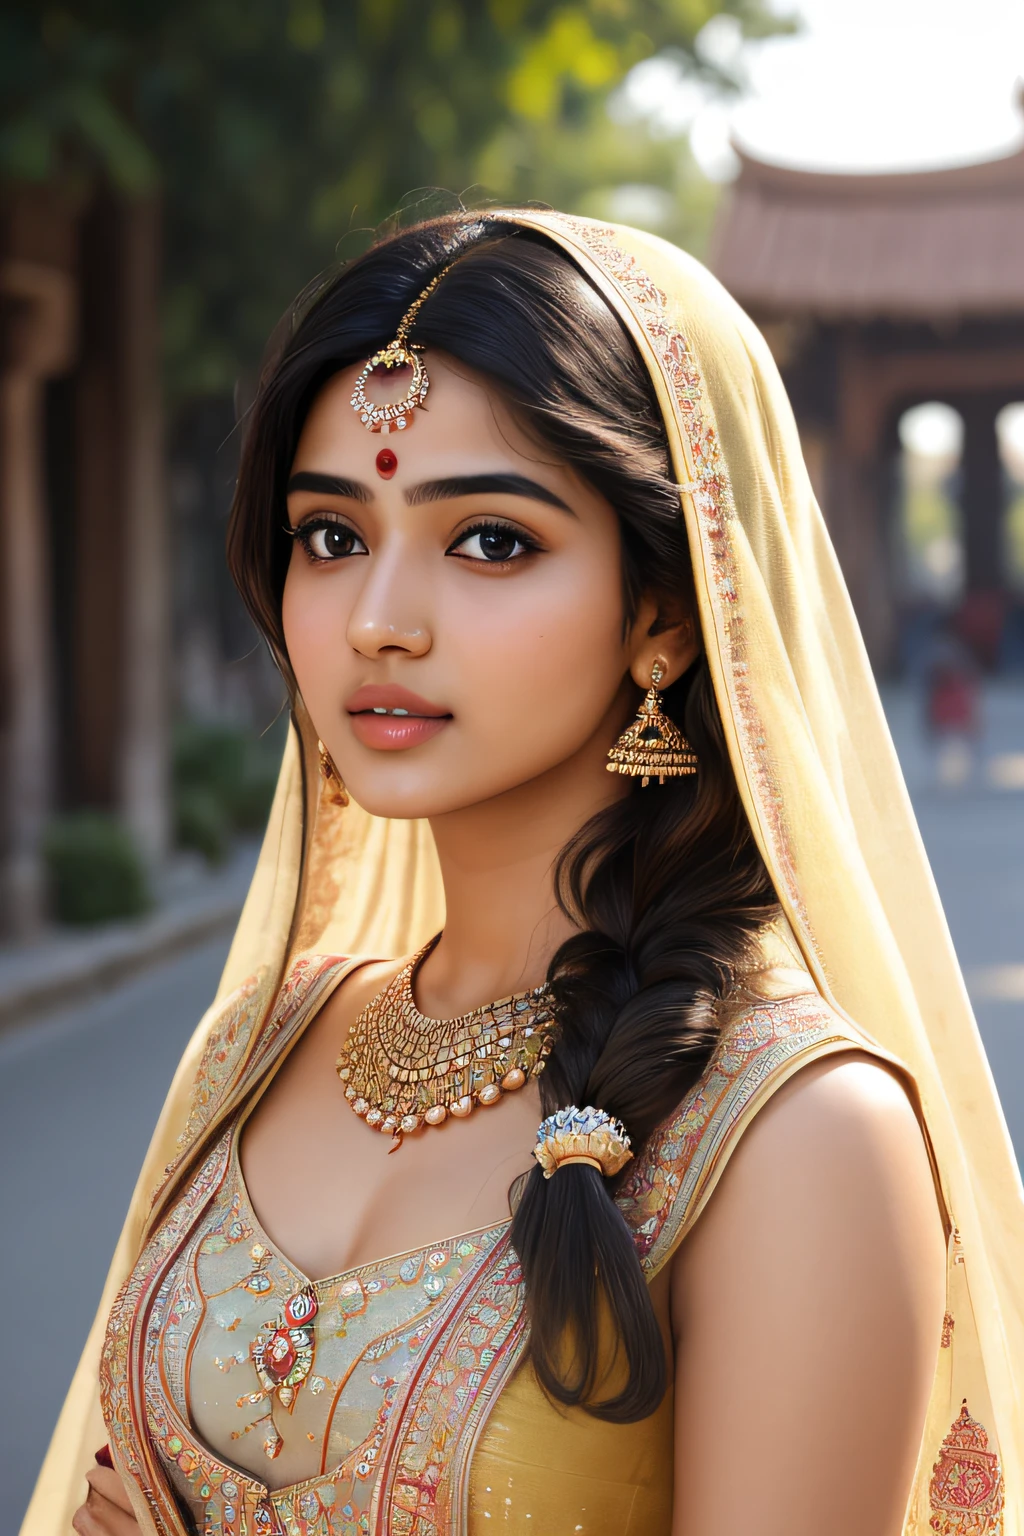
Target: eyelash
{"x":305,"y":532}
{"x":529,"y":545}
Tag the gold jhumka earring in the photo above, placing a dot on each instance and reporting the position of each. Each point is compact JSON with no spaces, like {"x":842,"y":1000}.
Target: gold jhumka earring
{"x":397,"y":357}
{"x":334,"y":790}
{"x":653,"y":747}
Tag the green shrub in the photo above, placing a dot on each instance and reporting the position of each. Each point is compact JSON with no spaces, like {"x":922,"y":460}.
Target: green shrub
{"x":200,"y":823}
{"x":223,"y":783}
{"x":95,"y":872}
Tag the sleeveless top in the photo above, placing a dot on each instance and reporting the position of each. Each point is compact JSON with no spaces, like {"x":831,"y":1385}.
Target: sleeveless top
{"x":228,"y":1297}
{"x":429,"y":1420}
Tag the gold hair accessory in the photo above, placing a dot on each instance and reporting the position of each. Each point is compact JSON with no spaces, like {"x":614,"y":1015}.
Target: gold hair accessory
{"x":334,"y":789}
{"x":653,"y":746}
{"x":588,"y":1135}
{"x":397,"y":354}
{"x":402,"y":1070}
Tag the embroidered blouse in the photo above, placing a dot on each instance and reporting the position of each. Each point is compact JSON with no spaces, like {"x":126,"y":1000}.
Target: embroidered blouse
{"x":266,"y":1390}
{"x":410,"y":1407}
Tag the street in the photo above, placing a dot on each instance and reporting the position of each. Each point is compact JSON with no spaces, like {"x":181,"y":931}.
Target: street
{"x":80,"y":1090}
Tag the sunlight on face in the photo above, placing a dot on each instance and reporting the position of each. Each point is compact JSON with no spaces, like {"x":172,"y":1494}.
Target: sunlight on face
{"x":455,"y":624}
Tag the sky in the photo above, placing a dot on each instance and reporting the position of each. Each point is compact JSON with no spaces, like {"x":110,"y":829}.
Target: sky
{"x":865,"y":85}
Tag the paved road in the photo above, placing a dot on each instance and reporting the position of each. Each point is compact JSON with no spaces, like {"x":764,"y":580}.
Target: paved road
{"x":79,"y":1096}
{"x":79,"y":1092}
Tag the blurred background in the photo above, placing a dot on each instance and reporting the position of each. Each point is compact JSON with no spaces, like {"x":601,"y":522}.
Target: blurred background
{"x":171,"y":175}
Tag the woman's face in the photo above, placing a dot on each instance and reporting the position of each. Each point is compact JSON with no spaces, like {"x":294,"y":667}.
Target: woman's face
{"x":456,"y":626}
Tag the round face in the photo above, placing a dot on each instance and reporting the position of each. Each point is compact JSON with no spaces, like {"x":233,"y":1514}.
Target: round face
{"x":453,"y":608}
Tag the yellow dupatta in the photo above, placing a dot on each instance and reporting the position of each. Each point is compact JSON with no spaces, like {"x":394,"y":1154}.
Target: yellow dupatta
{"x":820,"y":782}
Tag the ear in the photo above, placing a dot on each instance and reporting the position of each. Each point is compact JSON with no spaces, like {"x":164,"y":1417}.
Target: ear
{"x":664,"y":630}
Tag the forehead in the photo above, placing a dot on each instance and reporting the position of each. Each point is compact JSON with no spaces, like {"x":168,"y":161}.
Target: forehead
{"x":464,"y":419}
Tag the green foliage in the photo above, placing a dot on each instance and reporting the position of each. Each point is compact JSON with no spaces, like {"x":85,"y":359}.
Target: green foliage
{"x":94,"y":868}
{"x":223,"y":783}
{"x":282,"y":132}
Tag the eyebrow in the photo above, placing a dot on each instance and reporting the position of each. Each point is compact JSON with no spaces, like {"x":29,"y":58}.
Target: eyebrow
{"x":433,"y":490}
{"x":478,"y":485}
{"x":329,"y":485}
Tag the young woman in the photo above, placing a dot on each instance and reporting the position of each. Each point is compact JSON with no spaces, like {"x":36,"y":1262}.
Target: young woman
{"x":755,"y":1270}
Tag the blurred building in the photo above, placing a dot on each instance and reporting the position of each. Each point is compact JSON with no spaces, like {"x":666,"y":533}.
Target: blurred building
{"x":84,"y":617}
{"x":878,"y":293}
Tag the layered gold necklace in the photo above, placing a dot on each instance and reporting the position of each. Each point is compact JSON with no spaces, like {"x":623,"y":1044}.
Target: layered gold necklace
{"x":401,"y":1070}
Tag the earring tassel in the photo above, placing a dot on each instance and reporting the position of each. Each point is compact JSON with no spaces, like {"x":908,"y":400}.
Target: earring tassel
{"x":652,"y":747}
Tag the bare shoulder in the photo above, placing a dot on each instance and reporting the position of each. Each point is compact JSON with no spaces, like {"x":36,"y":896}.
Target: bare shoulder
{"x":832,"y":1109}
{"x":837,"y":1155}
{"x":810,"y":1292}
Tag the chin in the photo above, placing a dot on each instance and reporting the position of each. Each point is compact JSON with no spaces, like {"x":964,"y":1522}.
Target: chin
{"x":405,"y":796}
{"x":407,"y":802}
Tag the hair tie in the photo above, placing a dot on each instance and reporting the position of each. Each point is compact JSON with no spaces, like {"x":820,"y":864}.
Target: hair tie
{"x":573,"y":1135}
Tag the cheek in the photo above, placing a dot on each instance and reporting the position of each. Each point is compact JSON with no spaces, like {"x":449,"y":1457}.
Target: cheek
{"x":314,"y":616}
{"x":542,"y":661}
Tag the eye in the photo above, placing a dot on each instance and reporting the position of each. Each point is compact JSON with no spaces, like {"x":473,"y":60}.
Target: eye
{"x":494,"y":543}
{"x":327,"y":539}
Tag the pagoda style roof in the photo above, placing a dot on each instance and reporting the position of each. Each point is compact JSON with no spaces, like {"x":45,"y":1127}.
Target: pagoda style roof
{"x":933,"y":245}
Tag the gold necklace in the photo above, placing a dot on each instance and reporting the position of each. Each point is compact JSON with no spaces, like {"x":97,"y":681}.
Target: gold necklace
{"x":402,"y":1070}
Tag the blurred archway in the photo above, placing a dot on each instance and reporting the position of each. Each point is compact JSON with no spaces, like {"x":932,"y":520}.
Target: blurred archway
{"x":928,"y":527}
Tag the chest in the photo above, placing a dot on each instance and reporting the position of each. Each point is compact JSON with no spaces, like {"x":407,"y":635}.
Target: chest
{"x":331,"y":1191}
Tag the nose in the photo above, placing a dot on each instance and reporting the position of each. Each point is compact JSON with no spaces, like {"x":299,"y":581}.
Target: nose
{"x":389,"y":614}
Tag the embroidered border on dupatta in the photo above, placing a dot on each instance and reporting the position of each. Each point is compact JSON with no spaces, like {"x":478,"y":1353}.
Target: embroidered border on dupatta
{"x":121,"y":1358}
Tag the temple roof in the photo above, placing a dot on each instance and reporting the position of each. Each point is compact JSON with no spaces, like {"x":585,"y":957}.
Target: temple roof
{"x":907,"y":245}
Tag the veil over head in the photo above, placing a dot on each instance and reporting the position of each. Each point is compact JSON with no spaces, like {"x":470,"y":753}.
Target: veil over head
{"x":825,"y":797}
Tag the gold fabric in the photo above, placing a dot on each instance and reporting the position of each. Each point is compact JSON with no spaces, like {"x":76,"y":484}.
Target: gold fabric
{"x":821,"y":785}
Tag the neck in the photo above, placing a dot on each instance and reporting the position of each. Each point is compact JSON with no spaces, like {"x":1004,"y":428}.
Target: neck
{"x":502,"y":922}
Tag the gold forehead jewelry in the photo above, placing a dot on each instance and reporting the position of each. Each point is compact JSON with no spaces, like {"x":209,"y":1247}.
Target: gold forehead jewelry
{"x":653,"y":746}
{"x":400,"y":353}
{"x":590,"y":1136}
{"x":401,"y":1070}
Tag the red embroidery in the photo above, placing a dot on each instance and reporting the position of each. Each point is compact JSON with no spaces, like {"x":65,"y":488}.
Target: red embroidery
{"x":966,"y":1490}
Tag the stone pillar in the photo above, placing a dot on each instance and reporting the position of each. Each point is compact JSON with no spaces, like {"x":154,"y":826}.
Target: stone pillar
{"x":39,"y":335}
{"x":856,"y":500}
{"x":982,"y":495}
{"x":145,"y":634}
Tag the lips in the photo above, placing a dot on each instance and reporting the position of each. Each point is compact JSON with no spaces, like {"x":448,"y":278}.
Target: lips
{"x":391,"y":719}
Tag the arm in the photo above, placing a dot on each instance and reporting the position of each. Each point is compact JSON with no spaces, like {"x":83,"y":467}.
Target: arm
{"x":807,"y":1308}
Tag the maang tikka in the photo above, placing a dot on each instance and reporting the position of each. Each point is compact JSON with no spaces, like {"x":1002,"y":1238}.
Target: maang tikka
{"x":398,"y":354}
{"x":653,"y":746}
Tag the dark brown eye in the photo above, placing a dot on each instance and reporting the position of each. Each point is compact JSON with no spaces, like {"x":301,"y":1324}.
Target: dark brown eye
{"x":492,"y":542}
{"x":331,"y":541}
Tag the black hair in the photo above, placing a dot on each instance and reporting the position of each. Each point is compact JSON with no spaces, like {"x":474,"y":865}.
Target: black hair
{"x":666,"y":887}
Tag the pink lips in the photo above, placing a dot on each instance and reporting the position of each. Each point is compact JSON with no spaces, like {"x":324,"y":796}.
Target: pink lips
{"x":417,"y":721}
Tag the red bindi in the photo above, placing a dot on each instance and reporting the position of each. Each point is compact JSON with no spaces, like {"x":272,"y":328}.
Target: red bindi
{"x":387,"y":463}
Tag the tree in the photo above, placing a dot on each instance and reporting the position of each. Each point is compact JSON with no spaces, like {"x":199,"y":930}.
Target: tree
{"x":280,"y":132}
